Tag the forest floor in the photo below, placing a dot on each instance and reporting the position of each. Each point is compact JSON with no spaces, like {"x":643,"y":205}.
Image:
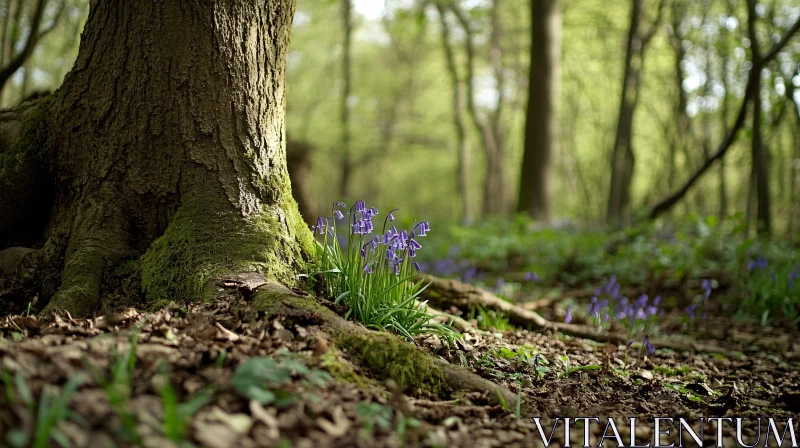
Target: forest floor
{"x":170,"y":378}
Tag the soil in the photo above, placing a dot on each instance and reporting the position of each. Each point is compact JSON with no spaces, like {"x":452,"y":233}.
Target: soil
{"x":198,"y":348}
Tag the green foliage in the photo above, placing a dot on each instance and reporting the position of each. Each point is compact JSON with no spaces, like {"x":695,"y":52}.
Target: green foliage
{"x":570,"y":369}
{"x":374,"y":279}
{"x":52,"y":409}
{"x":117,"y":386}
{"x":176,"y":414}
{"x":265,"y":379}
{"x":489,"y":319}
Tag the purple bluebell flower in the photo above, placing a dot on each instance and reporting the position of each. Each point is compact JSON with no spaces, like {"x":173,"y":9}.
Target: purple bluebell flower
{"x":642,"y":301}
{"x":330,"y":231}
{"x":568,"y":315}
{"x":640,"y":314}
{"x":628,"y":347}
{"x":536,"y":362}
{"x":759,"y":263}
{"x":367,"y":269}
{"x":650,"y":349}
{"x":690,"y":310}
{"x":657,"y":301}
{"x":414,"y":244}
{"x":531,"y":276}
{"x":792,"y":277}
{"x":337,"y":214}
{"x":499,"y":284}
{"x":416,"y":265}
{"x":359,"y":206}
{"x":706,"y":284}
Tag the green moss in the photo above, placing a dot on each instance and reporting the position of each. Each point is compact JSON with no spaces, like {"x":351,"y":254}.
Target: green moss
{"x":200,"y":245}
{"x":29,"y":147}
{"x":345,"y":372}
{"x":389,"y":357}
{"x":668,"y":371}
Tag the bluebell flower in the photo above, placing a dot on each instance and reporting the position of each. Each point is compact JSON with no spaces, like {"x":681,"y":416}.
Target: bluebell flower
{"x":416,"y":265}
{"x":568,"y":315}
{"x":792,"y":277}
{"x":367,"y":269}
{"x":531,"y":276}
{"x":359,"y":206}
{"x":337,"y":214}
{"x":650,"y":349}
{"x":628,"y":347}
{"x":339,"y":204}
{"x":690,"y":310}
{"x":499,"y":284}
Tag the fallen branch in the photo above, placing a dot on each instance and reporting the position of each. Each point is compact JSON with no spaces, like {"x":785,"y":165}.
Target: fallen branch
{"x":446,"y":293}
{"x":730,"y":137}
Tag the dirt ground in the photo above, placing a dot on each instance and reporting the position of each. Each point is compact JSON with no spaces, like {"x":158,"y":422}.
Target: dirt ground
{"x":197,"y":348}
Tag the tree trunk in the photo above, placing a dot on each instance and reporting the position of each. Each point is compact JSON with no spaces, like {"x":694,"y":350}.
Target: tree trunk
{"x":462,"y":175}
{"x":495,"y":200}
{"x":167,"y":139}
{"x":758,"y":153}
{"x":298,"y":162}
{"x":622,"y":157}
{"x":541,"y":123}
{"x":346,"y":164}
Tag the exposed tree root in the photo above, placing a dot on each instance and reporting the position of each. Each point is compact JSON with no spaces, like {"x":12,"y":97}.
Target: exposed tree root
{"x":95,"y":242}
{"x":384,"y":354}
{"x":447,"y":293}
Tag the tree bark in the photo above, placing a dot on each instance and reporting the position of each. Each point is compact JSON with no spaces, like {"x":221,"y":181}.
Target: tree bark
{"x":623,"y":158}
{"x":462,"y":175}
{"x":495,"y":189}
{"x":166,"y":140}
{"x":760,"y":159}
{"x":541,"y":123}
{"x":346,"y":165}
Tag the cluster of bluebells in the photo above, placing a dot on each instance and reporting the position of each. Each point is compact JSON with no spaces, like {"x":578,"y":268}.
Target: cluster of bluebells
{"x":390,"y":248}
{"x":608,"y":305}
{"x":761,"y":264}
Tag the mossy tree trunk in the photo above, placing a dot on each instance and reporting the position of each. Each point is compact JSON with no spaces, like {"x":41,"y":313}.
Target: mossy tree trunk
{"x":166,"y":142}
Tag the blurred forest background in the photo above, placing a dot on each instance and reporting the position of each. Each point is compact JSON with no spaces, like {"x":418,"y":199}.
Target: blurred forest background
{"x":591,"y":111}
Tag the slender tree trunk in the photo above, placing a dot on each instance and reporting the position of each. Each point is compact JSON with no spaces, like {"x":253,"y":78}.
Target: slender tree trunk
{"x":541,"y":124}
{"x":346,"y":162}
{"x":759,"y":154}
{"x":462,"y":175}
{"x":495,"y":200}
{"x":174,"y":150}
{"x":621,"y":157}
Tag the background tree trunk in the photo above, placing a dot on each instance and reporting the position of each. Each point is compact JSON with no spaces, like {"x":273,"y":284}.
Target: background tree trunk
{"x":167,"y":139}
{"x":541,"y":124}
{"x":622,"y":156}
{"x":462,"y":144}
{"x":346,"y":164}
{"x":299,"y":156}
{"x":760,"y":158}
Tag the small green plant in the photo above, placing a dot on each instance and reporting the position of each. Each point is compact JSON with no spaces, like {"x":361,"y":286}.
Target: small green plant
{"x":570,"y":369}
{"x":489,"y":319}
{"x":176,"y":414}
{"x":682,"y":390}
{"x":264,"y":379}
{"x":52,"y":409}
{"x":117,"y":386}
{"x":373,"y":274}
{"x":372,"y":415}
